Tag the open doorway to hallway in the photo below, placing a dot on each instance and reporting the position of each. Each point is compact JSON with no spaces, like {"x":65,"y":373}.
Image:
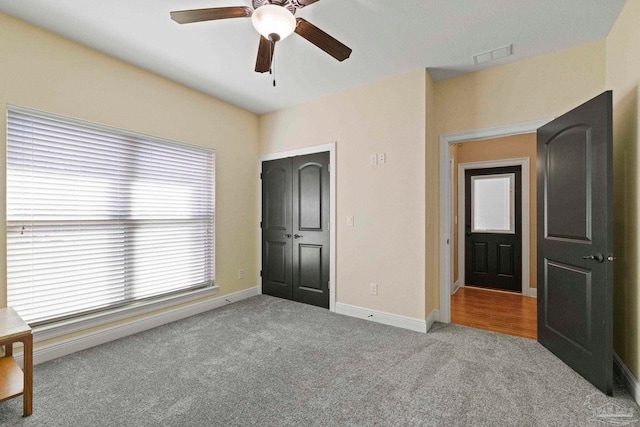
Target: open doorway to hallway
{"x":504,"y":254}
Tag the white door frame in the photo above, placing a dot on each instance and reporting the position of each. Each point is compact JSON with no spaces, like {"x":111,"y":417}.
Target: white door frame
{"x":454,"y":284}
{"x":523,"y":162}
{"x":445,"y":196}
{"x":331,"y":148}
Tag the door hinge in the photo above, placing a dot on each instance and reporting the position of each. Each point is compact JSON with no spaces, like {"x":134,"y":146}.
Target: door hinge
{"x":260,"y":273}
{"x":329,"y":167}
{"x":260,"y":175}
{"x":260,"y":224}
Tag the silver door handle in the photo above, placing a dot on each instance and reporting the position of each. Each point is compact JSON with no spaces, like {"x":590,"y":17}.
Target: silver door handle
{"x":597,"y":257}
{"x":297,"y":236}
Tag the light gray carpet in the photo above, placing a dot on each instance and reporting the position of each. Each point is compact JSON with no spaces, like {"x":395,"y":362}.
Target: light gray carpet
{"x":267,"y":361}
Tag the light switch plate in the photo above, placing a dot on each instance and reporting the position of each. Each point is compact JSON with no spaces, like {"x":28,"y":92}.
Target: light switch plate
{"x":373,"y":288}
{"x":350,"y":220}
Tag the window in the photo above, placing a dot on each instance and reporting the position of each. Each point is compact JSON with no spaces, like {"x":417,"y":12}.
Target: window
{"x":493,"y":204}
{"x":98,"y":217}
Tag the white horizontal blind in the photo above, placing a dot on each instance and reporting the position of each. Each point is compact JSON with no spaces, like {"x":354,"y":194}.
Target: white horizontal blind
{"x":98,"y":217}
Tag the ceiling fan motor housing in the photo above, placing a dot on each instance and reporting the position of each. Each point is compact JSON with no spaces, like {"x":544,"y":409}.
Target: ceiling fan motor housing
{"x":290,"y":5}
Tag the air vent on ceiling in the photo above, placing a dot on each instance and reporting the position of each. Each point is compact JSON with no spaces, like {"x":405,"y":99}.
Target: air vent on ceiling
{"x":492,"y":55}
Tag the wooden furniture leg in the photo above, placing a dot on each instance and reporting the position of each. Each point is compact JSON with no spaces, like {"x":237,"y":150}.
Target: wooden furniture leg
{"x":27,"y":397}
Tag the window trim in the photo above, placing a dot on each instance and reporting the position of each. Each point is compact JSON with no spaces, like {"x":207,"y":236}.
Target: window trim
{"x":105,"y":317}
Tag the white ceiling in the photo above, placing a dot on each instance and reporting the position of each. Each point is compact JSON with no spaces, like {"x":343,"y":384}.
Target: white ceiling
{"x":388,"y":37}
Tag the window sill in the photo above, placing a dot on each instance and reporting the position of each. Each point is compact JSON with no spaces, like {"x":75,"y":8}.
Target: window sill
{"x":66,"y":327}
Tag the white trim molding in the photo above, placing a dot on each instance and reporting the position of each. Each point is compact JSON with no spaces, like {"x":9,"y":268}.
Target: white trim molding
{"x":331,"y":148}
{"x":456,"y":286}
{"x":445,"y":191}
{"x":417,"y":325}
{"x":93,"y":338}
{"x":633,"y":386}
{"x":82,"y":323}
{"x":434,"y":316}
{"x":525,"y":224}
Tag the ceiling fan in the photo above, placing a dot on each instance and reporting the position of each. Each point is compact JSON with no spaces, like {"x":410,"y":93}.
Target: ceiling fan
{"x":274,"y":20}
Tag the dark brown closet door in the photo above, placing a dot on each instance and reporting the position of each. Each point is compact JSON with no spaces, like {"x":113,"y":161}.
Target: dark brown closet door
{"x":295,"y":228}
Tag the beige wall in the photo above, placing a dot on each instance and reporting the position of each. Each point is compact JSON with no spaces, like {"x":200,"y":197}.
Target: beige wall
{"x":537,"y":88}
{"x":42,"y":71}
{"x":519,"y":146}
{"x":623,"y":77}
{"x":387,"y":244}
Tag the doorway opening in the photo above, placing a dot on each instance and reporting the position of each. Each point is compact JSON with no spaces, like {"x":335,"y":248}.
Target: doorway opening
{"x":493,"y":235}
{"x":446,"y":198}
{"x":451,"y":226}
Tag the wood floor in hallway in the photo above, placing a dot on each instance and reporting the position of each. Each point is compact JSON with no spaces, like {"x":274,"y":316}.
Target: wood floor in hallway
{"x":502,"y":312}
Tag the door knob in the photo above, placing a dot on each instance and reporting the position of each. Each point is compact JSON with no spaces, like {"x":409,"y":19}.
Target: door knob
{"x":297,"y":236}
{"x":288,"y":236}
{"x":597,"y":257}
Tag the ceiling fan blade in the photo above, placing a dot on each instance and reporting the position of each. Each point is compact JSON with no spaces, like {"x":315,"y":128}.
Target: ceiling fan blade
{"x":303,"y":3}
{"x":197,"y":15}
{"x":265,"y":55}
{"x":323,"y":40}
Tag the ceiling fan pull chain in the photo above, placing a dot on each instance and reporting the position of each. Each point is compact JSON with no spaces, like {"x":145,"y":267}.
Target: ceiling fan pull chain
{"x":273,"y":48}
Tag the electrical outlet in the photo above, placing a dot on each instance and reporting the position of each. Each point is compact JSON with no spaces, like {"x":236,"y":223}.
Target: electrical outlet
{"x":241,"y":274}
{"x":373,"y":159}
{"x":382,"y":158}
{"x":373,"y":288}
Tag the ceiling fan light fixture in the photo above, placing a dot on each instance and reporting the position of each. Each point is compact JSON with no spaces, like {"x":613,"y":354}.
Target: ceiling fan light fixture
{"x":270,"y":20}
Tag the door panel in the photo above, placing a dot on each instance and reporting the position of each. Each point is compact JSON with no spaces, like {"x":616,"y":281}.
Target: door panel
{"x":568,"y":213}
{"x":276,"y":254}
{"x":310,"y":267}
{"x":575,"y":239}
{"x":506,"y":260}
{"x":310,"y":196}
{"x":295,"y":228}
{"x":569,"y":303}
{"x":276,"y":226}
{"x":493,"y":257}
{"x":278,"y":211}
{"x":480,"y":258}
{"x":311,"y":224}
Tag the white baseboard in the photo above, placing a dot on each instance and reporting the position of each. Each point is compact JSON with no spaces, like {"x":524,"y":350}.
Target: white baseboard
{"x":456,"y":286}
{"x":391,"y":319}
{"x":630,"y":380}
{"x":533,"y":292}
{"x":86,"y":340}
{"x":433,"y":317}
